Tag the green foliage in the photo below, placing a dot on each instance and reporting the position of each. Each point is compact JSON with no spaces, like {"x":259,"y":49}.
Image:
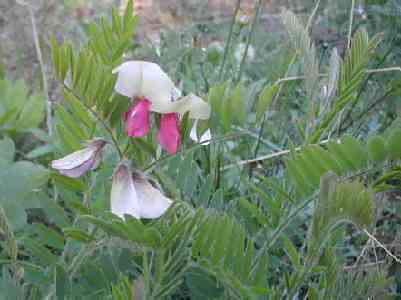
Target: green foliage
{"x":228,"y":105}
{"x":306,"y":50}
{"x":236,"y":231}
{"x":338,"y":203}
{"x":222,"y":248}
{"x":394,"y":144}
{"x":265,"y":99}
{"x":18,"y":182}
{"x":352,"y":74}
{"x":342,"y":157}
{"x":19,"y":111}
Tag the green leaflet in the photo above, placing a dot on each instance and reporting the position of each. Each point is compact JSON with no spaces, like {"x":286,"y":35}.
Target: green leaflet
{"x":339,"y":202}
{"x":18,"y":180}
{"x":352,"y":74}
{"x":222,"y":247}
{"x":19,"y":111}
{"x":341,"y":157}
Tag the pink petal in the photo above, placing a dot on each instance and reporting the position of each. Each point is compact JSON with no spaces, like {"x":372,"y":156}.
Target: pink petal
{"x":137,"y":118}
{"x":169,"y":132}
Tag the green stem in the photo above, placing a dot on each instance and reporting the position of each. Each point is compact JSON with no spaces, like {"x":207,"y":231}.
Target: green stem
{"x":351,"y":19}
{"x":249,"y":39}
{"x":194,"y":147}
{"x":227,"y":46}
{"x":272,"y":240}
{"x":100,"y":119}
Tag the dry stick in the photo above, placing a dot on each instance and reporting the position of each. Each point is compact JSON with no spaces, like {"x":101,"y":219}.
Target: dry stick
{"x":382,"y":246}
{"x":266,"y":157}
{"x":369,"y":71}
{"x":49,"y":117}
{"x":368,"y":265}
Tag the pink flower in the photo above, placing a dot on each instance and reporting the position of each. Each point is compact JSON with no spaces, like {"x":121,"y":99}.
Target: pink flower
{"x":169,"y":133}
{"x":137,"y":118}
{"x":151,"y":89}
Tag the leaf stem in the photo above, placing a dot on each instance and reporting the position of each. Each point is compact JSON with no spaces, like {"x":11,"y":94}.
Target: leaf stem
{"x":100,"y":119}
{"x":249,"y":39}
{"x":351,"y":20}
{"x":49,"y":116}
{"x":382,"y":246}
{"x":267,"y":156}
{"x":227,"y":46}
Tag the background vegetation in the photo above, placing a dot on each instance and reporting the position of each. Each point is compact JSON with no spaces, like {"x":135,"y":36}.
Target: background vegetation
{"x":297,"y":196}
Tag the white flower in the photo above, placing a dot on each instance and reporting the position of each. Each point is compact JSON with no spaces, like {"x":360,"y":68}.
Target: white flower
{"x":141,"y":79}
{"x":132,"y":194}
{"x":146,"y":81}
{"x":79,"y":162}
{"x":240,"y":51}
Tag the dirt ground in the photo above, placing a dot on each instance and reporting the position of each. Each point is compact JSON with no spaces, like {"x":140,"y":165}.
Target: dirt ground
{"x":64,"y":17}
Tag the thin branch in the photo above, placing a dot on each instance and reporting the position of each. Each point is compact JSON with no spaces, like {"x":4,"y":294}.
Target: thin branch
{"x":250,"y":36}
{"x":398,"y":260}
{"x":364,"y":266}
{"x":382,"y":70}
{"x":312,"y":16}
{"x":227,"y":46}
{"x":194,"y":147}
{"x":369,"y":71}
{"x":366,"y":111}
{"x":100,"y":119}
{"x":266,"y":157}
{"x":351,"y":20}
{"x":49,"y":117}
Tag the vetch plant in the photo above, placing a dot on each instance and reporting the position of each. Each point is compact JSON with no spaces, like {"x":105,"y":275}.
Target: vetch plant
{"x":277,"y":206}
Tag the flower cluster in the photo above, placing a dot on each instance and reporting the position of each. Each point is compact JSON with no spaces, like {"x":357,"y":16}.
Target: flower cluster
{"x":150,"y":90}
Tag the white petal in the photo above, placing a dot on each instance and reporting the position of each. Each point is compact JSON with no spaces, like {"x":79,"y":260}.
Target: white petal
{"x":158,"y":88}
{"x":74,"y":159}
{"x":206,"y":137}
{"x":152,"y":202}
{"x":124,"y":199}
{"x":194,"y":132}
{"x":129,"y":80}
{"x":176,"y":94}
{"x":197,"y":107}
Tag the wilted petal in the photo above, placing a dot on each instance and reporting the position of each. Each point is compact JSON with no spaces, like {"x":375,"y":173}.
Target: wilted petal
{"x":124,"y":199}
{"x":78,"y":162}
{"x":169,"y":133}
{"x":80,"y":170}
{"x":137,"y":118}
{"x":129,"y":79}
{"x":152,"y":202}
{"x":196,"y":106}
{"x":74,"y":159}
